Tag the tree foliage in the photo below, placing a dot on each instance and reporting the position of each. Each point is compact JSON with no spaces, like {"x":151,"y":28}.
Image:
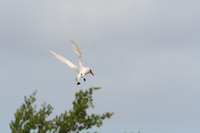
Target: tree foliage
{"x":28,"y":119}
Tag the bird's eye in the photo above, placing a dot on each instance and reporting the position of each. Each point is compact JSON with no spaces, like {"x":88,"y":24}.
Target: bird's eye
{"x":90,"y":70}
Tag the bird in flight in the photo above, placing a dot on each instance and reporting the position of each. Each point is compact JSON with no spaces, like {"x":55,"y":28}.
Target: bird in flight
{"x":82,"y":70}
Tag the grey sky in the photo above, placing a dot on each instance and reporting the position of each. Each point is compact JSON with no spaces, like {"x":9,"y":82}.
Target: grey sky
{"x":144,"y":54}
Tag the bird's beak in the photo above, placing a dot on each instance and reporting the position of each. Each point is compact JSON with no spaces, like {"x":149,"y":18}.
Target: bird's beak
{"x":92,"y":73}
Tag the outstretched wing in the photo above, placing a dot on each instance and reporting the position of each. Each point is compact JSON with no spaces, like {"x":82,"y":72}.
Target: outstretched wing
{"x":59,"y":57}
{"x":78,"y":52}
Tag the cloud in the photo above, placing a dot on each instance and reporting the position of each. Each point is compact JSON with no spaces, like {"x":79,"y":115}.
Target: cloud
{"x":145,"y":56}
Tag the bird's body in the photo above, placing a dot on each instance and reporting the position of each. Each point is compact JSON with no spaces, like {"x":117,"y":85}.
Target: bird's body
{"x":82,"y":70}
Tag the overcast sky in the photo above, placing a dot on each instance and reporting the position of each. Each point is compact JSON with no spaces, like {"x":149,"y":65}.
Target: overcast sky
{"x":145,"y":55}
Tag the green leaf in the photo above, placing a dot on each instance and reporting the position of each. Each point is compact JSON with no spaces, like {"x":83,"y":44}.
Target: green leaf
{"x":28,"y":118}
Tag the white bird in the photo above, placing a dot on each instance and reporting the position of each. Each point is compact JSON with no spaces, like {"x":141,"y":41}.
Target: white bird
{"x":82,"y":71}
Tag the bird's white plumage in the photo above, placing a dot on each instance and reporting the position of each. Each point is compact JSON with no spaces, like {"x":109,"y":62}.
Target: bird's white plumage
{"x":82,"y":71}
{"x":78,"y":52}
{"x":59,"y":57}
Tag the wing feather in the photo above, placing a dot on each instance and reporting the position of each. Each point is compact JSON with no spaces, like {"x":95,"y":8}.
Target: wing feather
{"x":59,"y":57}
{"x":78,"y":52}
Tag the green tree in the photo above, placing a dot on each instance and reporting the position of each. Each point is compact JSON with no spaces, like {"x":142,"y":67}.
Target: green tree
{"x":28,"y":119}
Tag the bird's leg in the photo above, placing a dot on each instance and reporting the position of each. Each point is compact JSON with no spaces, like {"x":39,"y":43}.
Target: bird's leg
{"x":78,"y":79}
{"x":84,"y":79}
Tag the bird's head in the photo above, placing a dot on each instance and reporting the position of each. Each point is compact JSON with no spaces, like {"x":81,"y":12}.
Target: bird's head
{"x":88,"y":70}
